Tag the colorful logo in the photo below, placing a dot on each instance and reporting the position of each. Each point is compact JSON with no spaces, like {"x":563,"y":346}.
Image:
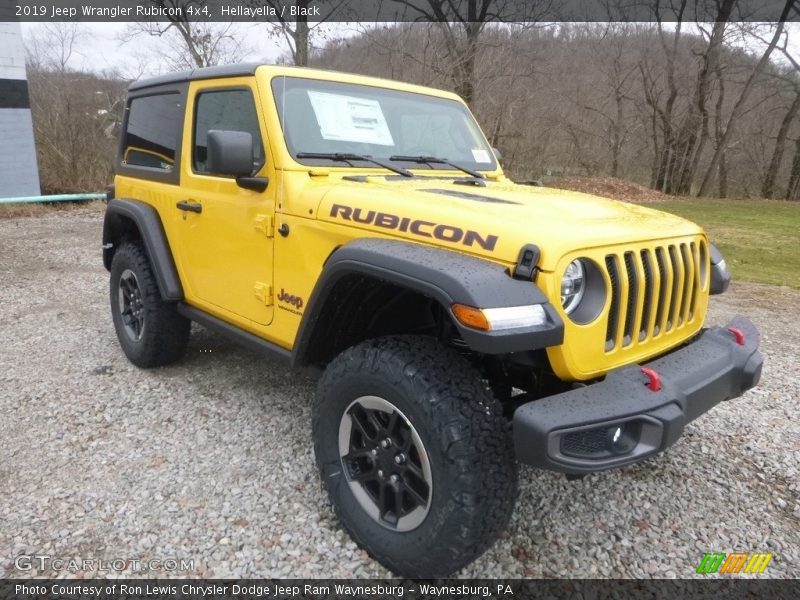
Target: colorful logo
{"x":736,"y":562}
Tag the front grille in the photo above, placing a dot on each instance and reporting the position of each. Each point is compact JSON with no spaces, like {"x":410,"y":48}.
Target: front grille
{"x":653,"y":291}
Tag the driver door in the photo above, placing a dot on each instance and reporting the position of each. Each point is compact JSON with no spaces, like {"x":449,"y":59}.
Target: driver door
{"x":225,"y":250}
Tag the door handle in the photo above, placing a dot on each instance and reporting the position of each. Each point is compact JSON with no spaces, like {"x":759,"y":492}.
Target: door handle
{"x":194,"y":207}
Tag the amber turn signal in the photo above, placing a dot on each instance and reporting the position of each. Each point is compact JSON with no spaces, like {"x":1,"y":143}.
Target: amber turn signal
{"x":470,"y":316}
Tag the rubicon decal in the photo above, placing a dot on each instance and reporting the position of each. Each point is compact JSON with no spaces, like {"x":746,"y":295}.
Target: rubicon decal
{"x":736,"y":562}
{"x":427,"y":229}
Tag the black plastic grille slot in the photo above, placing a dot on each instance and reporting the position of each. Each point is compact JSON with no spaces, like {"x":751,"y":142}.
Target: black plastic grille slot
{"x":633,"y":295}
{"x":647,"y":308}
{"x":691,"y":280}
{"x":702,"y":264}
{"x":677,"y":291}
{"x":613,"y":313}
{"x":663,"y":299}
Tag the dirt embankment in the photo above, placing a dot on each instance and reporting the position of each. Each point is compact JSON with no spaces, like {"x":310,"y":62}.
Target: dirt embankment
{"x":610,"y":187}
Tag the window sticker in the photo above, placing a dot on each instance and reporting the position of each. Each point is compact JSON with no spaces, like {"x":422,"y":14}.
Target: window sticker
{"x":481,"y":156}
{"x":350,"y":119}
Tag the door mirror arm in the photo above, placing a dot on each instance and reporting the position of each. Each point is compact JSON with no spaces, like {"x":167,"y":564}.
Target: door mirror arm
{"x":257,"y":184}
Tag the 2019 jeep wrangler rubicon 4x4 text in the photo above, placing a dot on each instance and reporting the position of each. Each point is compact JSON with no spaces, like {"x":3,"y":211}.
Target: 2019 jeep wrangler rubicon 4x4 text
{"x":462,"y":323}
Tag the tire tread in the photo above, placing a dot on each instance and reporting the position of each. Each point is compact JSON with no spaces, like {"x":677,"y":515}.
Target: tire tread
{"x":475,"y":437}
{"x":166,"y":331}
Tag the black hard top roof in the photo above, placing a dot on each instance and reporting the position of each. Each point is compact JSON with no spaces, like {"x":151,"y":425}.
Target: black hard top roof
{"x":237,"y":70}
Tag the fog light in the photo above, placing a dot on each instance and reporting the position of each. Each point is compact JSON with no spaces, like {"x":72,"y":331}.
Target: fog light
{"x":621,"y":439}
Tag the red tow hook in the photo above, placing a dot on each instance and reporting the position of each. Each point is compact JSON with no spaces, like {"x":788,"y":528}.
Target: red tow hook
{"x":653,"y":379}
{"x":738,"y":334}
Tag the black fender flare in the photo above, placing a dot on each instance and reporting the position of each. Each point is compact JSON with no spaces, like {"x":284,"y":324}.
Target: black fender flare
{"x":445,"y":276}
{"x":146,"y":220}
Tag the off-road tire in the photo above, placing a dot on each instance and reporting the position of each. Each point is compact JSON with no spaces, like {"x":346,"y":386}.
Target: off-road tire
{"x":165,"y":333}
{"x":467,"y":440}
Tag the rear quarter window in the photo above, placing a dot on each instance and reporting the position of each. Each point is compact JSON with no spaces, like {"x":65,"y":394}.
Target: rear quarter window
{"x":152,"y":134}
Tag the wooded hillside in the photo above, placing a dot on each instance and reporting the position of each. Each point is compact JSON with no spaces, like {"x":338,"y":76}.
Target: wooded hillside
{"x":683,"y":108}
{"x":660,"y":106}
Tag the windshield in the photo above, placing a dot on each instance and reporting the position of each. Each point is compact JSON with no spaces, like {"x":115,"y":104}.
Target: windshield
{"x":324,"y":117}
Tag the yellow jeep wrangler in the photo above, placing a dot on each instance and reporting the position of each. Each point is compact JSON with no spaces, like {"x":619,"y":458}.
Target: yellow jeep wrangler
{"x":461,"y":323}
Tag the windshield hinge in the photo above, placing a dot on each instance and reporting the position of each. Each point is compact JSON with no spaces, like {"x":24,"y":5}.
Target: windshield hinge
{"x":263,"y":292}
{"x":265,"y":224}
{"x":472,"y":181}
{"x":525,"y":268}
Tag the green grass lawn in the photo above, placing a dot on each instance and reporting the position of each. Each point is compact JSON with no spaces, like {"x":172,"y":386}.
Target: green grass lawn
{"x":760,"y":239}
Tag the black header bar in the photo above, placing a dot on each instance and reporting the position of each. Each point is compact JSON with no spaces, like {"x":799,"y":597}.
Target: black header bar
{"x":366,"y":11}
{"x":386,"y":589}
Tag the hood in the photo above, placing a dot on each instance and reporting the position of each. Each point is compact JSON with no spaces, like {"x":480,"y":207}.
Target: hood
{"x":493,"y":221}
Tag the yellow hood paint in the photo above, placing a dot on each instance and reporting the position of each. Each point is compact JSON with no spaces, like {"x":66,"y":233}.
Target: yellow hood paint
{"x":557,"y":221}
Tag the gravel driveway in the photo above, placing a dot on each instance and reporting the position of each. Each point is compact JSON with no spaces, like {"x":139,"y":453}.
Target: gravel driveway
{"x":211,"y":459}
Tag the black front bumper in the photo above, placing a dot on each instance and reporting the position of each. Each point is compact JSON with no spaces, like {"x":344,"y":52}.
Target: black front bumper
{"x":622,"y":420}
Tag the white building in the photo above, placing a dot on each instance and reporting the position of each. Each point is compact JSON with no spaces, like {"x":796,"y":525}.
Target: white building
{"x":19,"y":174}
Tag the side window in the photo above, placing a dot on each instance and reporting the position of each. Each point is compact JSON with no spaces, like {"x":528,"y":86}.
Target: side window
{"x":152,"y":134}
{"x":228,"y":110}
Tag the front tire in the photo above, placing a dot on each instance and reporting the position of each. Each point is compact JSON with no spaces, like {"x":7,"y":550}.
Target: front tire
{"x":415,"y":454}
{"x":150,"y":331}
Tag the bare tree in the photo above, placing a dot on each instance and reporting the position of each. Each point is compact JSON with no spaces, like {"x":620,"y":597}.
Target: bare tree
{"x":768,"y":186}
{"x":188,"y":43}
{"x":294,"y":26}
{"x":461,"y":23}
{"x":75,"y":114}
{"x":793,"y":187}
{"x":609,"y":47}
{"x":790,"y":78}
{"x":684,"y":132}
{"x":739,"y":107}
{"x":55,"y":46}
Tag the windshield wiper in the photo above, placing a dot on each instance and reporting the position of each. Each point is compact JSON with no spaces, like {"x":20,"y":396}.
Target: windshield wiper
{"x":347,"y":157}
{"x":437,"y":161}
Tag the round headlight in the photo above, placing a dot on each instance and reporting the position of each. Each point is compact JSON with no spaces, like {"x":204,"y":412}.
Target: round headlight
{"x":573,"y":285}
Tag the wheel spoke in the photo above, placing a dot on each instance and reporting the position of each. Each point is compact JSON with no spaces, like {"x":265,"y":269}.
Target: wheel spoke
{"x":364,"y":477}
{"x":382,"y":500}
{"x":415,"y":471}
{"x":129,"y":287}
{"x":392,"y":422}
{"x":359,"y":425}
{"x":398,"y":501}
{"x":357,"y":453}
{"x":372,"y":417}
{"x":409,"y":439}
{"x":415,"y":495}
{"x":386,"y":514}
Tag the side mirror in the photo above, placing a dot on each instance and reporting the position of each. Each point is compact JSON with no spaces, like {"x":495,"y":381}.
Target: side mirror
{"x":498,"y":155}
{"x":230,"y":153}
